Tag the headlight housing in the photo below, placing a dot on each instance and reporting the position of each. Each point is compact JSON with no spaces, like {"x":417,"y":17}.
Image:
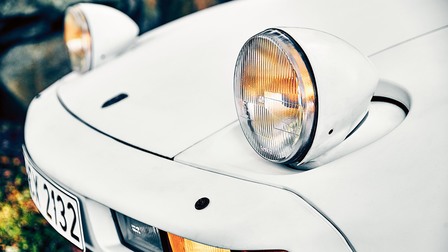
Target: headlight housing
{"x":95,"y":33}
{"x":300,"y":92}
{"x":275,"y":96}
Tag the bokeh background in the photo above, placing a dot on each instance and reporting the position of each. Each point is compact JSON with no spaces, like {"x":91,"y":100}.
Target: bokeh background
{"x":32,"y":56}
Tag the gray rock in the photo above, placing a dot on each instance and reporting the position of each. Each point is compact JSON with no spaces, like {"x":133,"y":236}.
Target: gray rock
{"x":27,"y":69}
{"x":10,"y":8}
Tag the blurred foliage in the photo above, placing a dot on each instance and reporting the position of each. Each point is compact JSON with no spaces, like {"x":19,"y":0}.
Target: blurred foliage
{"x":22,"y":228}
{"x":173,"y":9}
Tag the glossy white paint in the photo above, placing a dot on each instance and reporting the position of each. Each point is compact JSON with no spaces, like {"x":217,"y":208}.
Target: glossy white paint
{"x":221,"y":152}
{"x":111,"y":31}
{"x":382,"y":118}
{"x":176,"y":104}
{"x":345,"y":83}
{"x":102,"y":231}
{"x":163,"y":193}
{"x":390,"y":195}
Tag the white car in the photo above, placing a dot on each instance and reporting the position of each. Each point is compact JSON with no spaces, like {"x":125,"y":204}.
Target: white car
{"x":256,"y":125}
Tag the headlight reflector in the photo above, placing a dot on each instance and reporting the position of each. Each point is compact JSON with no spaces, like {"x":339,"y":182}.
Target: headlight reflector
{"x":77,"y":39}
{"x":275,"y":96}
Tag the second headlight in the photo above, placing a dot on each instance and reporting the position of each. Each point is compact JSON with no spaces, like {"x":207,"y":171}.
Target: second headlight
{"x":95,"y":33}
{"x":78,"y":39}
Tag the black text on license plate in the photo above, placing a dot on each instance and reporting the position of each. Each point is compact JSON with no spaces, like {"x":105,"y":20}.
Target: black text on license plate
{"x":59,"y":207}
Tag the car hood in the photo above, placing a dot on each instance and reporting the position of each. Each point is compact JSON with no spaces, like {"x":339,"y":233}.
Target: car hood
{"x":178,"y":78}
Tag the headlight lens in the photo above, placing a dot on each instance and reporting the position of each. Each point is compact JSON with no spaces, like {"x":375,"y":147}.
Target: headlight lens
{"x":77,"y":39}
{"x":275,"y":96}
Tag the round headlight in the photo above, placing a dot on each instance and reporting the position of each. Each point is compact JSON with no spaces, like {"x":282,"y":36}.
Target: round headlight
{"x":276,"y":96}
{"x":77,"y":39}
{"x":96,"y":33}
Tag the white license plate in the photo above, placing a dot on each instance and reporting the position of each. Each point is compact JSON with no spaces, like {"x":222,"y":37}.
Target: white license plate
{"x":59,"y":207}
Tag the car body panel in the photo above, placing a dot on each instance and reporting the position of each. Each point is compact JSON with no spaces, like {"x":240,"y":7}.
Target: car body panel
{"x":168,"y":94}
{"x":129,"y":181}
{"x":390,"y":195}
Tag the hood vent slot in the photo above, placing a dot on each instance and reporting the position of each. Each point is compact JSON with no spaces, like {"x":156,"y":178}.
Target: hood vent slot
{"x":114,"y":100}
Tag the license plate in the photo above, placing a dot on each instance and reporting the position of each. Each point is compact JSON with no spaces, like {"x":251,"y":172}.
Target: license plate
{"x":58,"y":206}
